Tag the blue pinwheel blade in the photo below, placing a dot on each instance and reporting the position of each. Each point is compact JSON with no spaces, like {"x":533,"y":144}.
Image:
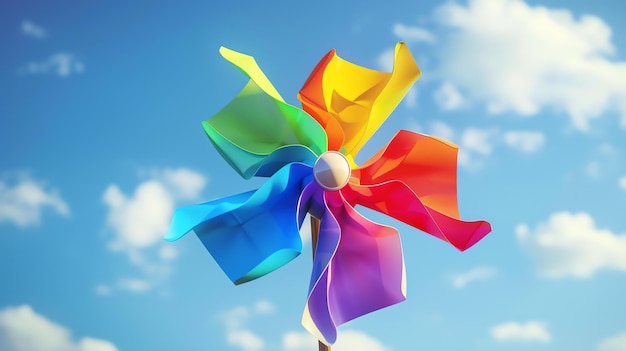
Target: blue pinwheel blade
{"x":250,"y":234}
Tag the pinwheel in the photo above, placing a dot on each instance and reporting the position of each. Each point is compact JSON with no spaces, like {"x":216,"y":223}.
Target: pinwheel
{"x":308,"y":156}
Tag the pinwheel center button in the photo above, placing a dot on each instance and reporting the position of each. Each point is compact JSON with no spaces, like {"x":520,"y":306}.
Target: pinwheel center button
{"x":332,"y":170}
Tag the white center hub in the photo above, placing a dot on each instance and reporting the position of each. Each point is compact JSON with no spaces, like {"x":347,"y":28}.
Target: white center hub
{"x":332,"y":170}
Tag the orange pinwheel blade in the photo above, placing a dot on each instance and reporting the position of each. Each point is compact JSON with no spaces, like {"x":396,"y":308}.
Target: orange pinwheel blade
{"x":426,"y":164}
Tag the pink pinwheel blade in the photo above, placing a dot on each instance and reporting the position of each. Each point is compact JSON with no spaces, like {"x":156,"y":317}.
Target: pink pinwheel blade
{"x":397,"y":200}
{"x":368,"y":259}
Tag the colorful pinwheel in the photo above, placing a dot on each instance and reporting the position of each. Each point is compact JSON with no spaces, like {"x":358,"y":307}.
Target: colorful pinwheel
{"x":308,"y":155}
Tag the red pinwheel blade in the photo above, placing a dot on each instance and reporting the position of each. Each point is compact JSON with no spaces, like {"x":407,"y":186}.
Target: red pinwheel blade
{"x":413,"y":179}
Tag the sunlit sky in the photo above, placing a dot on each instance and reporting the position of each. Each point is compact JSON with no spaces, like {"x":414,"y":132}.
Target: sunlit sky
{"x":101,"y":104}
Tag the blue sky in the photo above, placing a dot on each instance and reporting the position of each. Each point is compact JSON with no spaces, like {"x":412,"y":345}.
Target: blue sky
{"x":101,"y":104}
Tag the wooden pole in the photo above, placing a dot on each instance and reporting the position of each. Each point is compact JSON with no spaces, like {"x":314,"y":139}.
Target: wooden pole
{"x":315,"y":232}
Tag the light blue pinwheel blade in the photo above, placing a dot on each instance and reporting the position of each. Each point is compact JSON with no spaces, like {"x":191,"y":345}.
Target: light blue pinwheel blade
{"x":185,"y":219}
{"x":250,"y":234}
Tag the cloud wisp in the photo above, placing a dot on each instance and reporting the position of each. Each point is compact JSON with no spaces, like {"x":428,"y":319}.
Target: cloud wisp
{"x":236,"y":319}
{"x":413,"y":33}
{"x":22,"y":203}
{"x":239,"y":335}
{"x":448,"y":97}
{"x":614,"y":343}
{"x":461,"y":280}
{"x":524,"y":141}
{"x":138,"y":222}
{"x":571,"y":245}
{"x":62,"y":64}
{"x":515,"y":57}
{"x":26,"y":330}
{"x":621,"y":182}
{"x":30,"y":29}
{"x":348,"y":340}
{"x":531,"y":331}
{"x":476,"y":144}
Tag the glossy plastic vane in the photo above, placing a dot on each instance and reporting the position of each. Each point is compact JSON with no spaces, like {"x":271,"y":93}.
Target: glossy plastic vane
{"x":308,"y":156}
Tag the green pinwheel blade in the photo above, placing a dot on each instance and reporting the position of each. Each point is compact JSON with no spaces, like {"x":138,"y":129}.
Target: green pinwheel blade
{"x":257,"y":132}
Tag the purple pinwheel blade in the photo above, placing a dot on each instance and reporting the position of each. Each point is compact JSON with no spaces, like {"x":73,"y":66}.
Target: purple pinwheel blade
{"x":369,"y":259}
{"x":363,"y":272}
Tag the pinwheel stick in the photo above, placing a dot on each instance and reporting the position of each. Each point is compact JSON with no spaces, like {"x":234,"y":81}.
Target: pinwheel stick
{"x":315,"y":232}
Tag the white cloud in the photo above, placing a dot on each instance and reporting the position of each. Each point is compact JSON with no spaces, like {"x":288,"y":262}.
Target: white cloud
{"x":134,"y":285}
{"x":480,"y":141}
{"x":141,"y":219}
{"x":235,"y":321}
{"x":153,"y":271}
{"x":593,"y":169}
{"x":183,"y":183}
{"x":22,"y":204}
{"x":479,"y":273}
{"x":103,"y":289}
{"x":352,"y":340}
{"x":622,"y":182}
{"x":299,"y":341}
{"x":608,"y":150}
{"x":62,"y":63}
{"x":151,"y":261}
{"x":90,"y":344}
{"x":236,"y":317}
{"x":168,"y":253}
{"x":442,"y":130}
{"x":448,"y":97}
{"x":571,"y":245}
{"x":473,"y":143}
{"x":25,"y":330}
{"x":524,"y":141}
{"x":513,"y":331}
{"x":245,"y":340}
{"x":522,"y":58}
{"x":412,"y":125}
{"x":410,"y":100}
{"x":413,"y":34}
{"x":476,"y":144}
{"x":33,"y":30}
{"x":347,"y":340}
{"x":385,"y":60}
{"x":615,"y":343}
{"x":604,"y":163}
{"x":263,"y":306}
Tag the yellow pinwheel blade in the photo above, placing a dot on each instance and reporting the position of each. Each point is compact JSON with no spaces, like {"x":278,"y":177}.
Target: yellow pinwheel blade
{"x":351,"y":102}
